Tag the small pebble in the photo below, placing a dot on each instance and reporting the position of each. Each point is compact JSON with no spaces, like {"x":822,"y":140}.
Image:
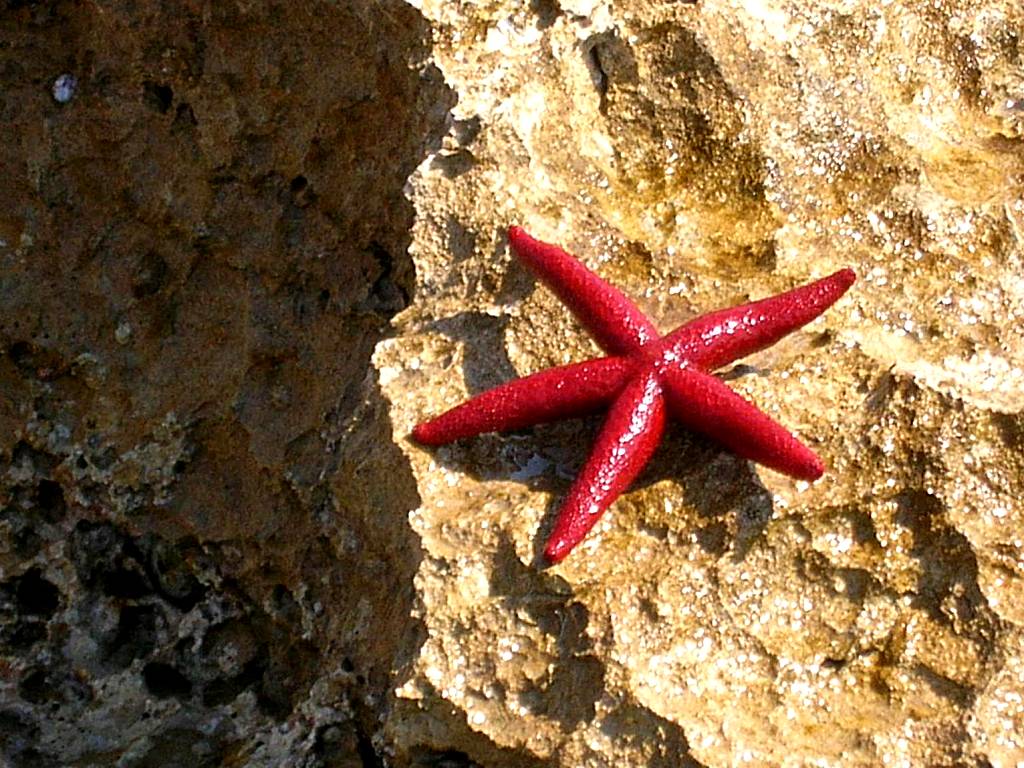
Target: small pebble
{"x":64,"y":88}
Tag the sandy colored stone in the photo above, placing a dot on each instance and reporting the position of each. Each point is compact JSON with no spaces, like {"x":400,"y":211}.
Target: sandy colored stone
{"x":699,"y":155}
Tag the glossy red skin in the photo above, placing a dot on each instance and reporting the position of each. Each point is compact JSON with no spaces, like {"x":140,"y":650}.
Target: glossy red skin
{"x":633,"y":429}
{"x":645,"y":377}
{"x":551,"y":395}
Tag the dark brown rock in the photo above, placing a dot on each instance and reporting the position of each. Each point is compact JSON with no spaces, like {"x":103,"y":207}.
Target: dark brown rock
{"x":203,"y":234}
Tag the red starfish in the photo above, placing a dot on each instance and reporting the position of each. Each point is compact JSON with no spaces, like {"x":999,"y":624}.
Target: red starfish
{"x":643,"y":375}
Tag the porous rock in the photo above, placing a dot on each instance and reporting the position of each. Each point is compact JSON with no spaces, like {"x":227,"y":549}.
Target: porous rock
{"x":203,"y":233}
{"x":699,"y":155}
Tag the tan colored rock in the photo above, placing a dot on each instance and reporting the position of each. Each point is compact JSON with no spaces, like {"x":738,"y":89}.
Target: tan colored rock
{"x":698,"y":155}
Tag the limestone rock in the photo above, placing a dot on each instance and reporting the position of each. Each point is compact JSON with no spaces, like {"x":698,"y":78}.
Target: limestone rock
{"x":698,"y":155}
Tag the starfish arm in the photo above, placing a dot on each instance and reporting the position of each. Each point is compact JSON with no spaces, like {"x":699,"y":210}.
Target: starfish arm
{"x":612,"y":319}
{"x":629,"y":436}
{"x":706,"y":405}
{"x":550,"y":395}
{"x":718,"y":338}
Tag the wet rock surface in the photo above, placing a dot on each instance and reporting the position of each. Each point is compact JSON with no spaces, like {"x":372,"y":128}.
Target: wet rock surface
{"x":245,"y":247}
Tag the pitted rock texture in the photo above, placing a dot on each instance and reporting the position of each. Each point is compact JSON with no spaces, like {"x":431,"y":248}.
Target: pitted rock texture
{"x":699,"y":155}
{"x":203,"y":234}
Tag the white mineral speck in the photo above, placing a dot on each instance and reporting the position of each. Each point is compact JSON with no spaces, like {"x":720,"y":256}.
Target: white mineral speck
{"x":64,"y":88}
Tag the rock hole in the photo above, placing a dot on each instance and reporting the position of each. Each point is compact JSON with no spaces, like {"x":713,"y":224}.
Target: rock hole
{"x":157,"y":97}
{"x":24,"y":634}
{"x":35,"y":595}
{"x":367,"y":754}
{"x":546,"y":11}
{"x":164,"y":681}
{"x":19,"y":351}
{"x":135,"y":637}
{"x":50,"y":498}
{"x":35,"y":688}
{"x":172,"y":576}
{"x":105,"y":558}
{"x":386,"y":295}
{"x":150,"y":275}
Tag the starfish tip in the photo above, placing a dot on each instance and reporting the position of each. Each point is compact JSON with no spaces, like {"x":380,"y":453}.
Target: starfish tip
{"x":423,"y":434}
{"x":846,"y":277}
{"x":814,"y":469}
{"x":556,"y":550}
{"x":516,"y":233}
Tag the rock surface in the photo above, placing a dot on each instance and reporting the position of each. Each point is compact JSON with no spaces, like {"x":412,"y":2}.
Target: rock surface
{"x":217,"y":545}
{"x":698,"y":155}
{"x":203,"y":234}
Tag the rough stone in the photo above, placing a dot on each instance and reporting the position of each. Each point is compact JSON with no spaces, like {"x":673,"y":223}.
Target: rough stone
{"x":203,"y":234}
{"x":698,"y":155}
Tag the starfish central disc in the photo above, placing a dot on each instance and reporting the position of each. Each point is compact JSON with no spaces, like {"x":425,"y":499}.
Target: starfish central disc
{"x":644,"y":378}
